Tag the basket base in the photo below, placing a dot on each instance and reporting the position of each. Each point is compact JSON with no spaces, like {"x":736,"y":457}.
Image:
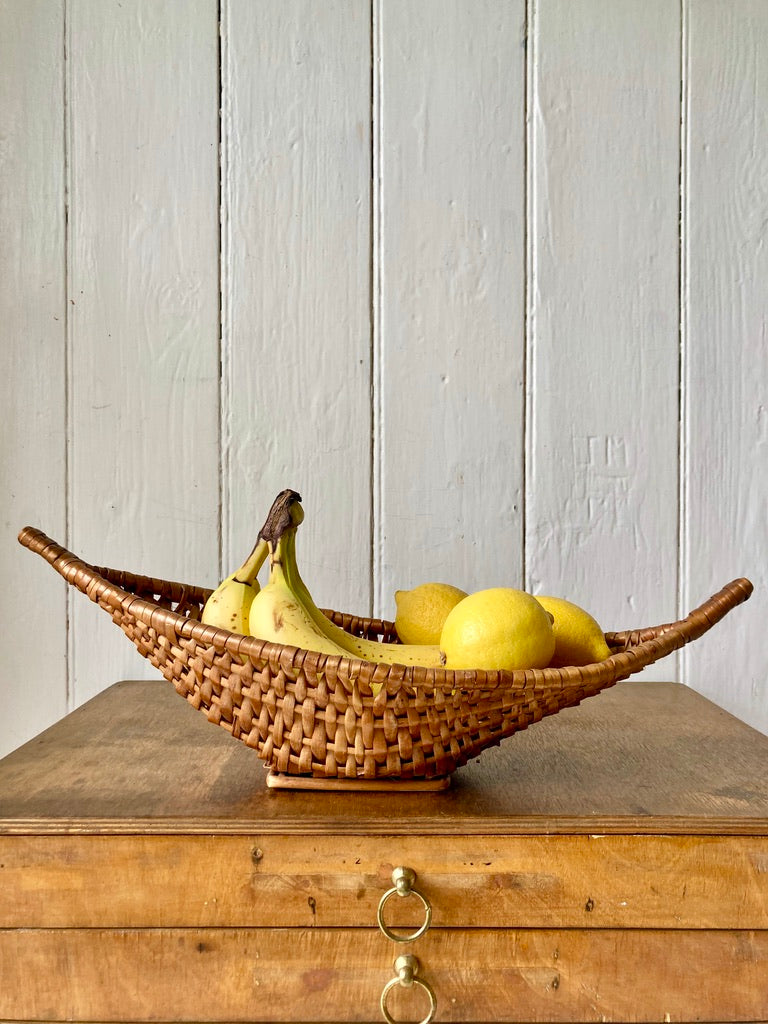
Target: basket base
{"x":279,"y":780}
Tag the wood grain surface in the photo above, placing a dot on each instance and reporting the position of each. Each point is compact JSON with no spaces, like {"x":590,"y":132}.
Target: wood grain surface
{"x":639,"y":757}
{"x":278,"y":974}
{"x":587,"y":869}
{"x":479,"y":881}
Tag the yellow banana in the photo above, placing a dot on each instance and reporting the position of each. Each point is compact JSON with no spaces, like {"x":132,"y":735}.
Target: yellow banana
{"x":276,"y":613}
{"x":229,"y":605}
{"x":277,"y":616}
{"x":426,"y":655}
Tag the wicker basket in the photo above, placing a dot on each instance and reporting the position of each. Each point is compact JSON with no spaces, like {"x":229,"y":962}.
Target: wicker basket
{"x":313,"y":716}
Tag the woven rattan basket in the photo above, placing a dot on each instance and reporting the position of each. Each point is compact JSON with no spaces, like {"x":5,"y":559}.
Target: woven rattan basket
{"x":311,"y":716}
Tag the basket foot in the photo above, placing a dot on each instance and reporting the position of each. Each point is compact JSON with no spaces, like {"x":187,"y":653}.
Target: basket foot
{"x":279,"y":780}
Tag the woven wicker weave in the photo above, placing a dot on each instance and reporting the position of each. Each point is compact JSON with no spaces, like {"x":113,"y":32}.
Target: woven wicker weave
{"x":307,"y":714}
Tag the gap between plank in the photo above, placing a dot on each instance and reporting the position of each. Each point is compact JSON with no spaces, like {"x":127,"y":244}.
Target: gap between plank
{"x":529,"y":291}
{"x":69,"y":635}
{"x":225,"y":296}
{"x":376,"y":536}
{"x":682,"y":361}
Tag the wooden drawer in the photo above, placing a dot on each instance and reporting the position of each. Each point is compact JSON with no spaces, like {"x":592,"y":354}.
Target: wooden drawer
{"x":565,"y":881}
{"x":279,"y":974}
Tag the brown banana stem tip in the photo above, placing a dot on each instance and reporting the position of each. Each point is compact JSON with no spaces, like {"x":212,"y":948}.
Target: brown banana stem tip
{"x":279,"y":518}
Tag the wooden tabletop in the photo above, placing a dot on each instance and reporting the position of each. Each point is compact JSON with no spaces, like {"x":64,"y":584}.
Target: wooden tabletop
{"x":639,"y":757}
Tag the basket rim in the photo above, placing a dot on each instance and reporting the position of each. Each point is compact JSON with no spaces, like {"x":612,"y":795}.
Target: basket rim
{"x":641,"y":647}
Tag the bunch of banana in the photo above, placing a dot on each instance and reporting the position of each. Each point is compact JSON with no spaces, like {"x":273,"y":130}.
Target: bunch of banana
{"x":229,"y":606}
{"x":284,"y":612}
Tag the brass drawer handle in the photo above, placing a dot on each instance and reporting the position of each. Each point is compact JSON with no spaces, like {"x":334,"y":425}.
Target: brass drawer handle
{"x":407,"y":967}
{"x":402,"y":885}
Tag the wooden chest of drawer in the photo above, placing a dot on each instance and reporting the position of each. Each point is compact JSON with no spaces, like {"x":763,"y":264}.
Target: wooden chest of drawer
{"x":609,"y":864}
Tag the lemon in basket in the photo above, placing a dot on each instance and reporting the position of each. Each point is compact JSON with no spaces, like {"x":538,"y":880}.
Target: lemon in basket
{"x":499,"y":628}
{"x":421,"y":612}
{"x":579,"y":640}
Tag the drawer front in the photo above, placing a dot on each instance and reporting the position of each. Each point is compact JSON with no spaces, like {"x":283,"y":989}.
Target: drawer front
{"x":338,"y":975}
{"x":576,"y":881}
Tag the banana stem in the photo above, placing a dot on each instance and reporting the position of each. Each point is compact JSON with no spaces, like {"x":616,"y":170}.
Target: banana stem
{"x":286,"y":512}
{"x":250,"y":567}
{"x":284,"y":555}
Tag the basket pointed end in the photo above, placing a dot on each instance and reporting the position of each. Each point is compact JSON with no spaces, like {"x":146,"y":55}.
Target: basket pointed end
{"x":30,"y":537}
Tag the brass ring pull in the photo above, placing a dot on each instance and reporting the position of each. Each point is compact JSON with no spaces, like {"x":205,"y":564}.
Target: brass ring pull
{"x":403,"y":879}
{"x":407,"y":967}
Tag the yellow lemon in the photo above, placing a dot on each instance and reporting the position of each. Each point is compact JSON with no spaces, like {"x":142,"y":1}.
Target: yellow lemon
{"x":579,"y":640}
{"x":500,"y":628}
{"x":422,"y":611}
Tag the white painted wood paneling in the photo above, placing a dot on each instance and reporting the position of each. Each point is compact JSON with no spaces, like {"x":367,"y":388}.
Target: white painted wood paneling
{"x":483,"y":280}
{"x":602,"y":498}
{"x":32,"y":363}
{"x":144,"y":305}
{"x":726,"y":365}
{"x":451,"y":255}
{"x":297,"y":328}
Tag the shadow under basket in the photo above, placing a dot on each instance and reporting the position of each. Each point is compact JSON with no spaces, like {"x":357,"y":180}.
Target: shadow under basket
{"x":325,"y":722}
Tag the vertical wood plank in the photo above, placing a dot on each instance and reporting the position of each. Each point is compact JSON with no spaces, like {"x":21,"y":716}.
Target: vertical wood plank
{"x":296,"y":295}
{"x":603,"y":457}
{"x":452,"y":259}
{"x":32,"y":363}
{"x":726,"y":361}
{"x":144,"y":304}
